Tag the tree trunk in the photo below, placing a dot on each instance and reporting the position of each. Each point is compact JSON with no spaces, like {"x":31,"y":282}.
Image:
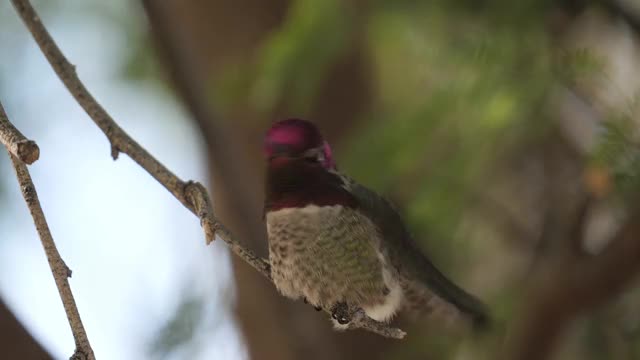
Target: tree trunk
{"x":196,"y":40}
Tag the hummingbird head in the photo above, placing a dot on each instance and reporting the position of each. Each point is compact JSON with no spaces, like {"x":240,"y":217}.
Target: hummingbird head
{"x":297,"y":139}
{"x":300,"y":168}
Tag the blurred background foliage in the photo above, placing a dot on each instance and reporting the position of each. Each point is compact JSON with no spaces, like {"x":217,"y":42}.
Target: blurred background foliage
{"x":453,"y":86}
{"x":463,"y":92}
{"x":475,"y":117}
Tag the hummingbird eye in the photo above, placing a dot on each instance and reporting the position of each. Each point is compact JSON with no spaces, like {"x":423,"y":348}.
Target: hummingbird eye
{"x":314,"y":156}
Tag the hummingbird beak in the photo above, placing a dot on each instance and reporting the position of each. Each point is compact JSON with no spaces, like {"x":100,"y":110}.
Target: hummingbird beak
{"x":328,"y":156}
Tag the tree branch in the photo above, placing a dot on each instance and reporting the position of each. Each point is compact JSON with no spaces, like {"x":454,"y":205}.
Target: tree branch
{"x":197,"y":194}
{"x":59,"y":269}
{"x":569,"y":287}
{"x":24,"y":149}
{"x":192,"y":195}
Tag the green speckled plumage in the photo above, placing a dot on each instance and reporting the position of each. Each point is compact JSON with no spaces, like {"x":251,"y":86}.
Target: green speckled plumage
{"x":311,"y":257}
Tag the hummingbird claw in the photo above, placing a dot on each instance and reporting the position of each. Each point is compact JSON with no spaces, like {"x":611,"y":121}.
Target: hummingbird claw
{"x":306,"y":301}
{"x":340,"y":312}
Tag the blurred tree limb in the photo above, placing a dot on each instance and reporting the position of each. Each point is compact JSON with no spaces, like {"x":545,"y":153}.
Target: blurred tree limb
{"x":206,"y":47}
{"x":617,"y":8}
{"x":193,"y":91}
{"x":176,"y":27}
{"x":570,"y":284}
{"x":192,"y":195}
{"x":12,"y":138}
{"x":16,"y":342}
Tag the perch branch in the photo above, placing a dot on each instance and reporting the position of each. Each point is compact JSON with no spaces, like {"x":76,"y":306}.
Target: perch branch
{"x":19,"y":146}
{"x":59,"y":269}
{"x":192,"y":195}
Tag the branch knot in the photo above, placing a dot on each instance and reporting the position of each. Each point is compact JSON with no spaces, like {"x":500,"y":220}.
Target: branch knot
{"x":198,"y":197}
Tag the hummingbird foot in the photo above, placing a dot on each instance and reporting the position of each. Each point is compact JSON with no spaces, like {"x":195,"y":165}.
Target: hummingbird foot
{"x":306,"y":301}
{"x":341,"y":313}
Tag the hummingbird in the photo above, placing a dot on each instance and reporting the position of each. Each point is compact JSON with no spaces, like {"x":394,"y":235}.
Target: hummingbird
{"x":340,"y":246}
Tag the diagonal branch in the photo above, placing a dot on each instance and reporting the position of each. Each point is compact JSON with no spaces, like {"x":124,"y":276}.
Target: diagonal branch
{"x":197,"y":195}
{"x":570,"y":286}
{"x":192,"y":195}
{"x":19,"y":146}
{"x":59,"y":269}
{"x":120,"y":140}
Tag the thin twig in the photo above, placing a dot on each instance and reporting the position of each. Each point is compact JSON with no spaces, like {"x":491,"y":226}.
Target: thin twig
{"x":24,"y":149}
{"x":196,"y":193}
{"x":59,"y":269}
{"x":192,"y":195}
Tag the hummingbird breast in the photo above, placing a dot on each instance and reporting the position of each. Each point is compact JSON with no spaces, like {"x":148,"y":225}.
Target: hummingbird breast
{"x":331,"y":254}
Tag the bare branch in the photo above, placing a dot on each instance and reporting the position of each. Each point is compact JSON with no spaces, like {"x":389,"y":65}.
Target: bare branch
{"x":197,"y":195}
{"x":192,"y":195}
{"x":24,"y":149}
{"x":120,"y":141}
{"x":59,"y":269}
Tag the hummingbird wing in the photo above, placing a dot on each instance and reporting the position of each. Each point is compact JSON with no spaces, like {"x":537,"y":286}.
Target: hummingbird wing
{"x":421,"y":276}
